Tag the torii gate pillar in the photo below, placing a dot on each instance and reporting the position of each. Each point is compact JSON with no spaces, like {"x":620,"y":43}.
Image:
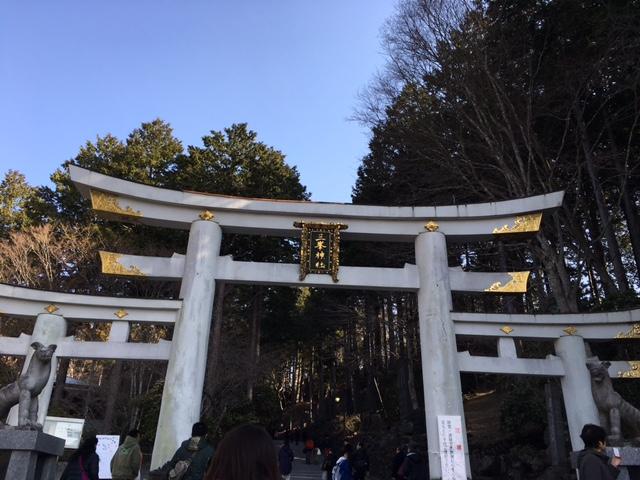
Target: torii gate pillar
{"x":576,"y":387}
{"x":184,"y":381}
{"x":440,"y":371}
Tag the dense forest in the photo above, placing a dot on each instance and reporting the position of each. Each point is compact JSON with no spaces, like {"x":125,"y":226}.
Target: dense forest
{"x":480,"y":101}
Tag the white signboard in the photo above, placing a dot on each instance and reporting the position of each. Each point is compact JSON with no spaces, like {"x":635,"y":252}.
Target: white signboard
{"x":69,"y":429}
{"x":452,"y":459}
{"x":106,"y":449}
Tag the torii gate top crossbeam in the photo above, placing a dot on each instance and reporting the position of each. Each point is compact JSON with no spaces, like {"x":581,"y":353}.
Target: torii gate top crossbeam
{"x":139,"y":203}
{"x":28,"y":302}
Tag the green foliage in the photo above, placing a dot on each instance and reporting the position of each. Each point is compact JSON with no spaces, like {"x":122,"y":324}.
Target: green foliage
{"x":523,"y":409}
{"x":234,"y":162}
{"x":149,"y":404}
{"x":147,"y":156}
{"x":262,"y":410}
{"x":16,"y":196}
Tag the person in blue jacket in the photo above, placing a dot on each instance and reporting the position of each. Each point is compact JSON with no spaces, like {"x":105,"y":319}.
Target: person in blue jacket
{"x":343,"y":470}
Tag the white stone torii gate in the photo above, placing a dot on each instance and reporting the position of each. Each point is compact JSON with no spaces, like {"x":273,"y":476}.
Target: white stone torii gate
{"x":201,"y":266}
{"x":206,"y":216}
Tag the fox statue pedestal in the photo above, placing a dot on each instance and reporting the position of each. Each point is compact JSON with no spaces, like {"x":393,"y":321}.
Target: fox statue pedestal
{"x":29,"y":455}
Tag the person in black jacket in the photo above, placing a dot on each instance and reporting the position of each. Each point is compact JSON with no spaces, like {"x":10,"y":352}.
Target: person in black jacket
{"x":360,"y":462}
{"x":593,"y":463}
{"x":84,"y":462}
{"x":398,"y":459}
{"x":285,"y":460}
{"x":328,"y":463}
{"x":414,"y":466}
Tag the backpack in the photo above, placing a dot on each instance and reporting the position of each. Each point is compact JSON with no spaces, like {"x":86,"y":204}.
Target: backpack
{"x":334,"y":470}
{"x":181,"y":468}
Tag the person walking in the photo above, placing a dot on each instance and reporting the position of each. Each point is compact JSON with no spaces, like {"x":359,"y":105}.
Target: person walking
{"x":593,"y":462}
{"x":285,"y":459}
{"x":396,"y":463}
{"x":191,"y":460}
{"x":84,"y":463}
{"x":328,"y":463}
{"x":360,"y":462}
{"x":414,"y":467}
{"x":125,"y":464}
{"x":245,"y":453}
{"x":309,"y":447}
{"x":342,"y":470}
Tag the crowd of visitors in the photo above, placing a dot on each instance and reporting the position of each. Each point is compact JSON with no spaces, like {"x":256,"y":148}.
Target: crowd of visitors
{"x":248,"y":452}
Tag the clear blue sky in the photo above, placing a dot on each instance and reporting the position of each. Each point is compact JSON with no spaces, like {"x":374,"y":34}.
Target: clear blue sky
{"x":291,"y":69}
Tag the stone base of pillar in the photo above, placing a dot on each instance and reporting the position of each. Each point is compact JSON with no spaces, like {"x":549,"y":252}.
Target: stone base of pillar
{"x":29,"y":455}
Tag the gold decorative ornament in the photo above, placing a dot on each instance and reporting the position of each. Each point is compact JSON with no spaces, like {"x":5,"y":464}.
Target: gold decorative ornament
{"x":431,"y":226}
{"x":522,"y":224}
{"x":320,"y":248}
{"x":51,"y":308}
{"x":633,"y":372}
{"x":207,"y":215}
{"x":633,"y":333}
{"x":121,"y":313}
{"x":107,"y":202}
{"x":517,"y":284}
{"x":506,"y":329}
{"x":111,"y":265}
{"x":570,"y":330}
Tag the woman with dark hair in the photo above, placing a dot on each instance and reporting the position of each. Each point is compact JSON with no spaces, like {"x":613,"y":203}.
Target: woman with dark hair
{"x":245,"y":453}
{"x":83,"y":464}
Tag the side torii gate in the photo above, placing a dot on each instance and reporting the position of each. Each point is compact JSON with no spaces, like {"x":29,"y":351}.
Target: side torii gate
{"x":207,"y":216}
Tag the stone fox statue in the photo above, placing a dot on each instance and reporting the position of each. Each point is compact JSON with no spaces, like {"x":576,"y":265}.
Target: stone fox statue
{"x":24,"y":391}
{"x":613,"y":409}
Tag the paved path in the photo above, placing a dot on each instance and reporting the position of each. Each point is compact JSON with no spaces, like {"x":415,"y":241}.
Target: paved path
{"x":302,"y":471}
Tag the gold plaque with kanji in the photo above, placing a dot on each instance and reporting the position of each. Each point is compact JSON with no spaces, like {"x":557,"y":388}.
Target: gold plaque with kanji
{"x":320,"y":248}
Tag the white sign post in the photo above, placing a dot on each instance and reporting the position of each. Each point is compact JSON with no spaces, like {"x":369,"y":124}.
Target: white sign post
{"x":452,"y":459}
{"x":106,"y":449}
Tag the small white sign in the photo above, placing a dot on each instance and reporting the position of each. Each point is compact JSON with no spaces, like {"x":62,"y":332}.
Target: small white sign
{"x":452,"y":461}
{"x":106,"y":449}
{"x":69,"y":429}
